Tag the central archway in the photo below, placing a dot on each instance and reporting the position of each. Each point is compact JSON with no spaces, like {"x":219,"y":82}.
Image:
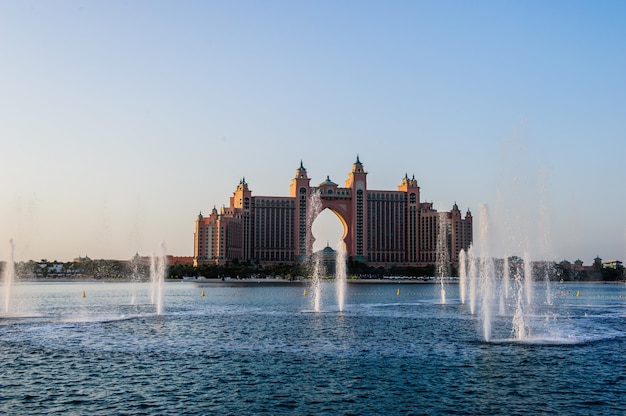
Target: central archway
{"x":328,"y":228}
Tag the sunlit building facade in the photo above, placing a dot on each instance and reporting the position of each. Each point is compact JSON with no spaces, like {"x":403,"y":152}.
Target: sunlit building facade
{"x":381,"y":227}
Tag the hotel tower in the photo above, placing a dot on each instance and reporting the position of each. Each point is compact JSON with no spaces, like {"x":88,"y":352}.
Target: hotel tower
{"x":380,"y":228}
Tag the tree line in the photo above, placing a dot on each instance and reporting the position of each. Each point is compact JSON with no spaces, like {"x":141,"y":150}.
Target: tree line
{"x":140,"y":271}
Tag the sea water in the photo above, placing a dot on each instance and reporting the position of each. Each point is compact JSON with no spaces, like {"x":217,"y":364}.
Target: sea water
{"x":257,"y":349}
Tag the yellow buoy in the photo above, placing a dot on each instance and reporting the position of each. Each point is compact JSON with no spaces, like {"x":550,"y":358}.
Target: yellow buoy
{"x":578,"y":294}
{"x":398,"y":292}
{"x":202,"y":292}
{"x":84,"y":293}
{"x":304,"y":294}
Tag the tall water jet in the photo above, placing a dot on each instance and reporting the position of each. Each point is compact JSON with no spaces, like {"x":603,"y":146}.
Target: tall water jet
{"x":504,"y":285}
{"x":340,"y":274}
{"x":316,"y":286}
{"x":486,"y":294}
{"x":506,"y":277}
{"x":520,"y":230}
{"x":473,"y":278}
{"x":462,"y":274}
{"x":528,"y":278}
{"x":519,"y":330}
{"x":135,"y":278}
{"x":153,"y":278}
{"x":498,"y":280}
{"x":443,"y":257}
{"x":486,"y":271}
{"x":313,"y":209}
{"x":158,"y":268}
{"x":9,"y":277}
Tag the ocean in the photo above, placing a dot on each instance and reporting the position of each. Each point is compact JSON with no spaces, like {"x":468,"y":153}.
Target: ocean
{"x":261,"y":349}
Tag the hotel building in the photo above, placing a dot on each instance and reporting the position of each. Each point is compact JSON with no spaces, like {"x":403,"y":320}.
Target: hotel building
{"x":380,"y":227}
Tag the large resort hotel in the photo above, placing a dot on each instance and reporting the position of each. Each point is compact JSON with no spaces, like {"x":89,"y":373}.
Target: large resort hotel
{"x":380,"y":227}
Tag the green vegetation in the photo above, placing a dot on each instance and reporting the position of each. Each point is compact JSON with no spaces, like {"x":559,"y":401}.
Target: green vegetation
{"x":245,"y":271}
{"x":90,"y":269}
{"x":594,"y":275}
{"x":139,"y":270}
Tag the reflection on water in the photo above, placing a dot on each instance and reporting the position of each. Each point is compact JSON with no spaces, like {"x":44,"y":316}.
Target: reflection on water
{"x":259,"y":349}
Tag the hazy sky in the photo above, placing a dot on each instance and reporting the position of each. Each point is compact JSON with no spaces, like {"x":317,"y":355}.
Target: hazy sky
{"x":121,"y":120}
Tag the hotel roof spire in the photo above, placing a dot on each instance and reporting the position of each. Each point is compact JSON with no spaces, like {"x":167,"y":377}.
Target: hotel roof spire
{"x":301,"y":171}
{"x":357,"y":167}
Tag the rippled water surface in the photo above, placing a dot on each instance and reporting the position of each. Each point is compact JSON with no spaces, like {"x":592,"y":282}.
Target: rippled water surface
{"x":259,"y":349}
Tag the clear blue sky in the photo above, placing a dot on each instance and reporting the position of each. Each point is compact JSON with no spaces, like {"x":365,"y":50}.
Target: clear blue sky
{"x":121,"y":120}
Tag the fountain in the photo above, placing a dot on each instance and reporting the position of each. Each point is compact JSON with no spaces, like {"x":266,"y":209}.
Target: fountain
{"x":443,"y":257}
{"x":158,"y":268}
{"x":506,"y":277}
{"x":340,"y":274}
{"x":314,"y":208}
{"x":506,"y":283}
{"x":473,"y":273}
{"x":482,"y":274}
{"x":462,"y":275}
{"x":519,"y":330}
{"x":317,"y":285}
{"x":487,"y":271}
{"x":135,"y":278}
{"x":9,"y":277}
{"x":528,"y":278}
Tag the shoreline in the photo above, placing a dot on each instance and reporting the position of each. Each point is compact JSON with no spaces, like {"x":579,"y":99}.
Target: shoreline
{"x":245,"y":282}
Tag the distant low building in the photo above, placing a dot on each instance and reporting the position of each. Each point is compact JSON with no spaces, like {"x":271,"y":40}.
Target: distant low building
{"x":328,"y":260}
{"x":598,"y":271}
{"x":169,"y":260}
{"x":615,"y":265}
{"x":179,"y":260}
